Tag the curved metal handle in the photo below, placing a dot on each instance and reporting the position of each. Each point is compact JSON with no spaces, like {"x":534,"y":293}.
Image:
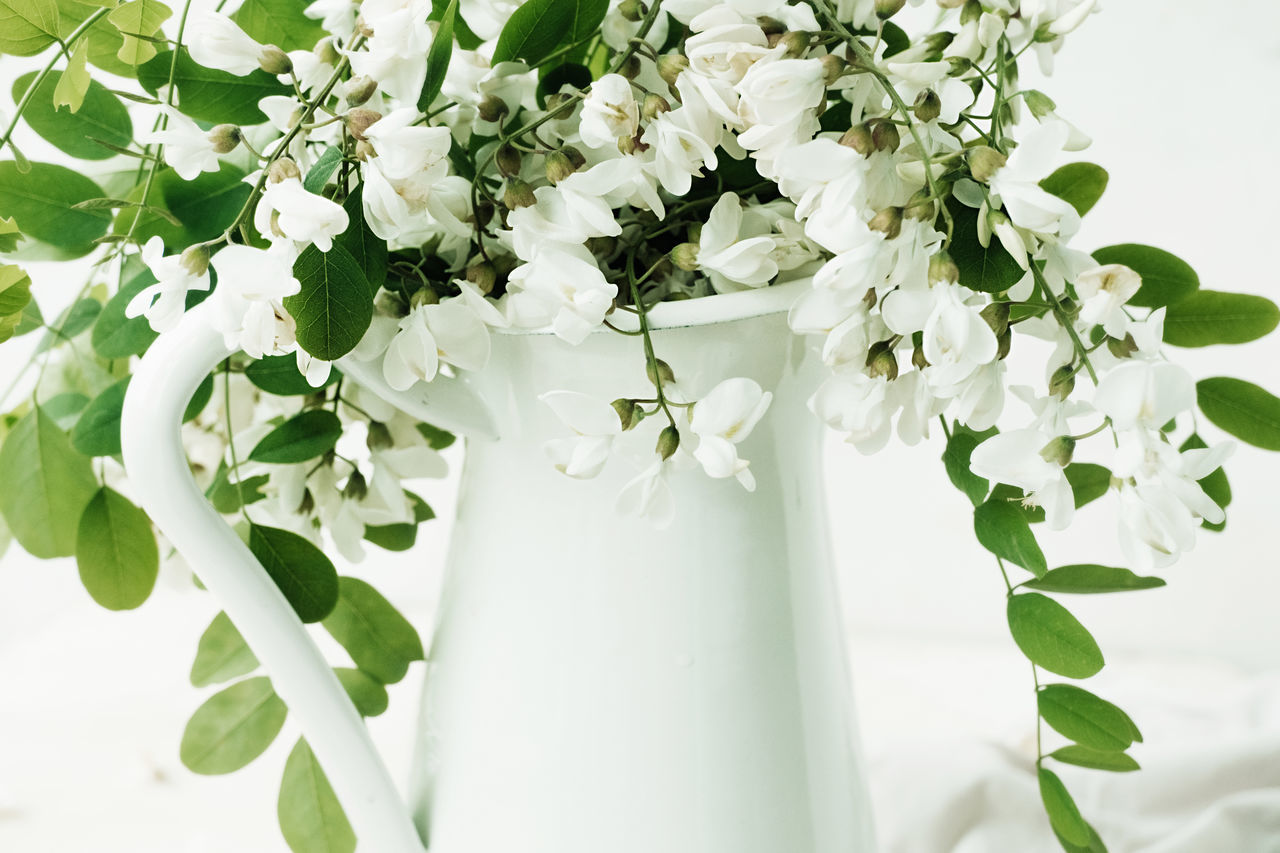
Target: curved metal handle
{"x":162,"y":385}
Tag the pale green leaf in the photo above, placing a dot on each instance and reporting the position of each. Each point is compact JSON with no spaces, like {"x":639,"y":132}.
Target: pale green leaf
{"x":378,"y":638}
{"x":311,"y":818}
{"x":367,"y":693}
{"x":73,"y":84}
{"x":116,"y":552}
{"x":47,"y":485}
{"x":100,"y":117}
{"x":222,"y":654}
{"x":97,"y":433}
{"x":138,"y":18}
{"x":1051,"y":637}
{"x":279,"y":22}
{"x":28,"y":26}
{"x":232,"y":728}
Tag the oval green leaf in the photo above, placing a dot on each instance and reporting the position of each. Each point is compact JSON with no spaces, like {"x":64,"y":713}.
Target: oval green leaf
{"x":1209,"y":317}
{"x":1080,"y":184}
{"x":989,"y":269}
{"x":1088,"y":720}
{"x":222,"y":654}
{"x":366,"y":693}
{"x":114,"y":334}
{"x":279,"y":22}
{"x":535,"y":29}
{"x":301,"y":570}
{"x":1051,"y":637}
{"x":956,"y":459}
{"x":47,"y":485}
{"x":101,"y":116}
{"x":97,"y":433}
{"x":334,"y":307}
{"x":378,"y":638}
{"x":1091,"y":579}
{"x":311,"y":818}
{"x":210,"y":95}
{"x":278,"y":374}
{"x":28,"y":26}
{"x":306,"y":436}
{"x":232,"y":728}
{"x":1241,"y":408}
{"x":438,"y":56}
{"x":1166,"y":278}
{"x":41,"y":201}
{"x":1064,"y":815}
{"x":1002,"y":529}
{"x":1095,"y":759}
{"x":116,"y":552}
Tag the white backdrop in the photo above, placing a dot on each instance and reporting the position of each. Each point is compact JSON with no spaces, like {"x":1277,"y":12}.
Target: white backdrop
{"x":1182,"y":105}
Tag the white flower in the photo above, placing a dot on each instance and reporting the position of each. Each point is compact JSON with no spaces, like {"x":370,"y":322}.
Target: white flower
{"x":776,"y":93}
{"x":723,"y":418}
{"x":336,"y":16}
{"x":216,"y":41}
{"x":681,"y":146}
{"x":609,"y":112}
{"x":315,"y":370}
{"x":1103,"y":293}
{"x":721,"y":252}
{"x":396,"y":54}
{"x":596,"y":424}
{"x":1015,"y":458}
{"x":1147,"y":457}
{"x":649,"y":496}
{"x":449,"y":331}
{"x":953,"y":95}
{"x":564,"y":215}
{"x":956,"y":339}
{"x":1144,"y":394}
{"x":1017,"y":183}
{"x":165,"y":301}
{"x":1155,"y":527}
{"x":857,"y":405}
{"x":286,"y":209}
{"x":247,"y":305}
{"x":981,"y":399}
{"x":405,"y":149}
{"x":726,"y":50}
{"x":562,"y":287}
{"x":187,"y":148}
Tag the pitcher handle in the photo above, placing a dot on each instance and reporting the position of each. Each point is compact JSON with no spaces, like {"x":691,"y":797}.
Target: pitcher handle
{"x":162,"y":385}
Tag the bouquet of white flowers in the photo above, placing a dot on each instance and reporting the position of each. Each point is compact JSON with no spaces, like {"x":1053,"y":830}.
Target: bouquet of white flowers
{"x":393,"y":180}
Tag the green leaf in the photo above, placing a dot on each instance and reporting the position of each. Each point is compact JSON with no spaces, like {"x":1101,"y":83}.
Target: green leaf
{"x":65,"y":408}
{"x":227,"y":497}
{"x":1088,"y":481}
{"x":222,"y":654}
{"x":73,"y":83}
{"x":306,"y":436}
{"x":1088,"y":720}
{"x":367,"y":693}
{"x":28,"y":26}
{"x":1095,"y":759}
{"x":232,"y":728}
{"x":956,"y":458}
{"x":378,"y":638}
{"x":334,"y":307}
{"x":400,"y":537}
{"x":1051,"y":637}
{"x":116,"y":552}
{"x":1081,"y":184}
{"x":1064,"y":816}
{"x":438,"y":439}
{"x":1166,"y":278}
{"x":79,"y":316}
{"x":204,"y":206}
{"x":1002,"y":529}
{"x":1090,"y":579}
{"x":990,"y":269}
{"x":319,"y":174}
{"x":311,"y":818}
{"x":1208,"y":317}
{"x":47,"y":485}
{"x":1242,"y":409}
{"x":138,"y":18}
{"x":97,"y":433}
{"x":535,"y":29}
{"x":41,"y":201}
{"x":278,"y":374}
{"x":438,"y":56}
{"x":10,"y":234}
{"x":117,"y":336}
{"x":301,"y":570}
{"x":15,"y":296}
{"x":210,"y":95}
{"x":367,"y":249}
{"x":103,"y":38}
{"x":279,"y":22}
{"x":1215,"y":484}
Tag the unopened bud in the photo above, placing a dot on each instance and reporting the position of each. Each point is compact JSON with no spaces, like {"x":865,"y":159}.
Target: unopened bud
{"x":508,"y":160}
{"x":997,"y":316}
{"x":632,"y":10}
{"x":921,"y":207}
{"x":888,"y":222}
{"x":493,"y":108}
{"x":771,"y":26}
{"x":860,"y":139}
{"x":559,"y":166}
{"x":423,"y":296}
{"x":928,"y":106}
{"x":517,"y":194}
{"x":886,"y":9}
{"x":378,"y":436}
{"x":660,"y":373}
{"x":483,"y":276}
{"x":1004,"y":343}
{"x":918,"y":360}
{"x":972,"y":12}
{"x":357,"y":90}
{"x":307,"y":504}
{"x":685,"y":256}
{"x":886,"y":137}
{"x":195,"y":259}
{"x":359,"y":120}
{"x":1122,"y":348}
{"x":882,"y":362}
{"x":356,"y":487}
{"x":833,"y":68}
{"x":1038,"y":102}
{"x":984,"y":162}
{"x":942,"y":269}
{"x":630,"y":413}
{"x":326,"y":52}
{"x":795,"y":43}
{"x":1060,"y":450}
{"x":631,"y":67}
{"x":282,"y":170}
{"x":668,"y":442}
{"x":1062,"y":382}
{"x":273,"y":60}
{"x":670,"y":66}
{"x":364,"y":150}
{"x":224,"y":138}
{"x":653,"y":106}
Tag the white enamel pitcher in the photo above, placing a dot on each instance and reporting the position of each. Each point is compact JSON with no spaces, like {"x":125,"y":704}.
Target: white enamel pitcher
{"x":593,"y":685}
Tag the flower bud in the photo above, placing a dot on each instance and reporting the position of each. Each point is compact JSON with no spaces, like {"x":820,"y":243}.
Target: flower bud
{"x":378,"y":437}
{"x":517,"y":194}
{"x":483,"y":275}
{"x":632,"y":10}
{"x":195,"y":259}
{"x":771,"y":26}
{"x":921,"y":207}
{"x":282,"y":170}
{"x":984,"y":162}
{"x":224,"y":138}
{"x":630,"y":413}
{"x":918,"y":360}
{"x":668,"y":442}
{"x":971,"y":13}
{"x":1062,"y":382}
{"x":559,"y":166}
{"x":364,"y":150}
{"x":653,"y":106}
{"x":942,"y":269}
{"x":273,"y":60}
{"x":357,"y":487}
{"x":326,"y":52}
{"x":795,"y":43}
{"x":308,"y":503}
{"x":833,"y":68}
{"x":928,"y":105}
{"x":886,"y":137}
{"x":886,"y":9}
{"x":670,"y":66}
{"x":508,"y":160}
{"x":631,"y":67}
{"x":685,"y":256}
{"x":1122,"y":348}
{"x":997,"y":316}
{"x":1004,"y":343}
{"x":882,"y":362}
{"x":1060,"y":450}
{"x":357,"y":90}
{"x":860,"y":139}
{"x":359,"y":120}
{"x":424,"y":296}
{"x":1038,"y":102}
{"x":493,"y":108}
{"x":660,"y":373}
{"x":888,"y":222}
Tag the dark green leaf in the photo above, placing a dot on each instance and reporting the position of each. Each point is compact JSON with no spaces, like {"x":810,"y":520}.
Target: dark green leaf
{"x":1090,"y":579}
{"x":1077,"y":714}
{"x":895,"y":38}
{"x":367,"y":693}
{"x":1081,"y":184}
{"x":438,"y":439}
{"x":378,"y":638}
{"x":227,"y":497}
{"x":116,"y":552}
{"x":990,"y":269}
{"x":1095,"y":759}
{"x":47,"y":485}
{"x":1166,"y":278}
{"x":101,"y":116}
{"x":41,"y":200}
{"x":114,"y":334}
{"x":199,"y":399}
{"x":1242,"y":409}
{"x":222,"y":654}
{"x":319,"y":174}
{"x":367,"y":249}
{"x":1002,"y":529}
{"x":956,"y":458}
{"x":1088,"y":481}
{"x":1215,"y":484}
{"x":535,"y":29}
{"x":311,"y":818}
{"x":570,"y":73}
{"x":209,"y":95}
{"x":335,"y":306}
{"x":1208,"y":317}
{"x":306,"y":436}
{"x":1064,"y":816}
{"x":205,"y":205}
{"x":278,"y":374}
{"x":300,"y":569}
{"x":400,"y":537}
{"x":232,"y":728}
{"x":1051,"y":637}
{"x":438,"y":56}
{"x":97,"y":433}
{"x":279,"y":22}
